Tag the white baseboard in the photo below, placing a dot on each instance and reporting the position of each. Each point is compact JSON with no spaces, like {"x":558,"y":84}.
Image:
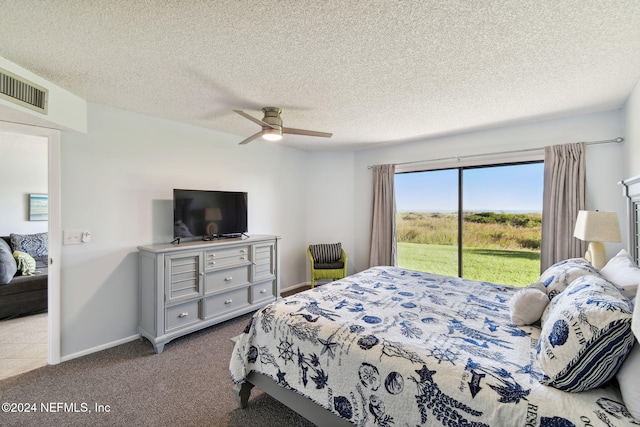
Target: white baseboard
{"x":291,"y":288}
{"x":137,"y":336}
{"x":99,"y":348}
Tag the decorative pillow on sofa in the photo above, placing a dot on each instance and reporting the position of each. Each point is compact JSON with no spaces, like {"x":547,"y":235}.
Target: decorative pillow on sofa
{"x":586,"y":335}
{"x":623,"y":272}
{"x":557,"y":277}
{"x":25,"y":263}
{"x":8,"y":267}
{"x":36,"y":245}
{"x":527,"y":305}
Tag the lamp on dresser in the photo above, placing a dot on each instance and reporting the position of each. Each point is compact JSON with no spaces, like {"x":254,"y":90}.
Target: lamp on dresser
{"x":597,"y":227}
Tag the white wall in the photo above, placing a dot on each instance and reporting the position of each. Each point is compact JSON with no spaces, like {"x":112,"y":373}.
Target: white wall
{"x":603,"y":161}
{"x":117,"y":183}
{"x":24,"y":171}
{"x":330,"y":203}
{"x":632,"y":123}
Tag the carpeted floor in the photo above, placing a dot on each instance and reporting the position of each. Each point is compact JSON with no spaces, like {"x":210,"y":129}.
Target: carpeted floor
{"x":187,"y":384}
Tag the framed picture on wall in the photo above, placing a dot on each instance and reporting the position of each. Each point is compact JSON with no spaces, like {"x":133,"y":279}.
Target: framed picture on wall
{"x":38,"y":207}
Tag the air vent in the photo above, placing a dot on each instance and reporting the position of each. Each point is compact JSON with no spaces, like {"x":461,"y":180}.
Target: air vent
{"x":23,"y":92}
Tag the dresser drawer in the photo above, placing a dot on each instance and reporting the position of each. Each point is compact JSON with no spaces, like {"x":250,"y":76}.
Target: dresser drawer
{"x":182,"y":315}
{"x":228,"y":301}
{"x":261,"y":291}
{"x":228,"y":278}
{"x":221,"y":258}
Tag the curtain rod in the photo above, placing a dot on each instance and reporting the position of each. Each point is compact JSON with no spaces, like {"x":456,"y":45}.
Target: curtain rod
{"x":604,"y":141}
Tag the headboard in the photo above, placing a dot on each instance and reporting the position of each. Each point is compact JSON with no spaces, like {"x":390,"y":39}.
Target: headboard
{"x":631,"y":188}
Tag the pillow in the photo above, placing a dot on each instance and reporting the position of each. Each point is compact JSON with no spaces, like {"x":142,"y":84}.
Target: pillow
{"x":36,"y":245}
{"x":326,"y":253}
{"x":627,"y":378}
{"x":526,"y":305}
{"x":557,"y":277}
{"x":622,"y":272}
{"x":25,"y":263}
{"x":8,"y":265}
{"x":635,"y":321}
{"x":586,"y":336}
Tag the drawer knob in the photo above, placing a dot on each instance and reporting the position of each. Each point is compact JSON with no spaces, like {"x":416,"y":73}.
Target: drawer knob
{"x":185,"y":314}
{"x":243,"y":258}
{"x":264,"y":291}
{"x":229,"y":301}
{"x":228,"y":279}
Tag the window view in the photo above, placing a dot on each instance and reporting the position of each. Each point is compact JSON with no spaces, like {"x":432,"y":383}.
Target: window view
{"x":481,"y":223}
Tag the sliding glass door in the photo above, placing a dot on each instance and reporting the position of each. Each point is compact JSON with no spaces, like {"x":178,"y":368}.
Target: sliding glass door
{"x":481,"y":223}
{"x":427,"y":221}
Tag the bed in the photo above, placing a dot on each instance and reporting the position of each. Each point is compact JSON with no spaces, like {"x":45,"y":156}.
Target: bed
{"x":390,"y":346}
{"x":395,"y":347}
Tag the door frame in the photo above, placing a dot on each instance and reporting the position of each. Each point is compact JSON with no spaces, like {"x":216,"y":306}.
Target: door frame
{"x":54,"y":230}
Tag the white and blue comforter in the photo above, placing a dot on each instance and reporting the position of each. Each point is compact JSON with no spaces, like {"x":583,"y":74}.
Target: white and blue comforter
{"x":393,"y":347}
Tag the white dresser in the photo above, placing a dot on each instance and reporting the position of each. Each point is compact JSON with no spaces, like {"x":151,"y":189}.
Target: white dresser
{"x":189,"y":286}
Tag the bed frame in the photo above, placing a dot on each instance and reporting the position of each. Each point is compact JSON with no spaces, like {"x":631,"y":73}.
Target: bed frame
{"x":302,"y":405}
{"x":323,"y":417}
{"x":631,"y":190}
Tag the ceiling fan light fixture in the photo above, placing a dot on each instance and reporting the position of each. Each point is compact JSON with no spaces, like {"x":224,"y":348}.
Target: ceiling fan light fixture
{"x":272,"y":134}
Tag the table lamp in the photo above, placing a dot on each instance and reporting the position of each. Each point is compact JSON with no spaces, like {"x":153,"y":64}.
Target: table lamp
{"x":597,"y":227}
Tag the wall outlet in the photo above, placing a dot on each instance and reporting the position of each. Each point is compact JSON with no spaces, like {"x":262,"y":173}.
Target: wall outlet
{"x":75,"y":237}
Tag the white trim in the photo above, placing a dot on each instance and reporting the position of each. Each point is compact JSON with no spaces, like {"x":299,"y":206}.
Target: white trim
{"x":100,"y":348}
{"x":291,"y":288}
{"x":466,"y":161}
{"x":55,"y":227}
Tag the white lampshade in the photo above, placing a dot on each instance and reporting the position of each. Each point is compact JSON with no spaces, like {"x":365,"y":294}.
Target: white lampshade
{"x":597,"y":226}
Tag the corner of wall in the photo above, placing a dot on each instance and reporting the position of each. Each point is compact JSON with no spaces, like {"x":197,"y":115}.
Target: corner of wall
{"x":632,"y":133}
{"x":66,"y":111}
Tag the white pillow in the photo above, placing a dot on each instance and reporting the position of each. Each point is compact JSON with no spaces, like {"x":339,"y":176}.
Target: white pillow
{"x":586,"y":335}
{"x":557,"y":277}
{"x":627,"y":377}
{"x":623,"y":272}
{"x":526,"y":305}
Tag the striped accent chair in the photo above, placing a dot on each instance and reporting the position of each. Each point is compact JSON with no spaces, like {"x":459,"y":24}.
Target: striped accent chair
{"x":328,"y":261}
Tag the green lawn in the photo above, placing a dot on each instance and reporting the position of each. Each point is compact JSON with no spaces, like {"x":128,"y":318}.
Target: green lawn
{"x":504,"y":266}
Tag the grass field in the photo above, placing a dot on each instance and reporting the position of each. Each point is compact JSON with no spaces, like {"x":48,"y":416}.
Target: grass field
{"x":498,"y":248}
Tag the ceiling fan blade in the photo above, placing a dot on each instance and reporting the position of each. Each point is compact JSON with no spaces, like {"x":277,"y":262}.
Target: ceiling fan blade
{"x":253,"y":119}
{"x":252,"y":137}
{"x":306,"y":132}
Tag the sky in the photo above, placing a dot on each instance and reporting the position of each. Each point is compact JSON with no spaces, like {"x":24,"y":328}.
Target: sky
{"x":514,"y":188}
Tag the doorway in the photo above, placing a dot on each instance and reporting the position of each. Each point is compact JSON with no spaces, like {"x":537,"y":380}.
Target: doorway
{"x":51,"y":139}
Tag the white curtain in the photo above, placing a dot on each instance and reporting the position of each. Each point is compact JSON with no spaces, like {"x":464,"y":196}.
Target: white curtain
{"x":563,"y":197}
{"x":383,"y":249}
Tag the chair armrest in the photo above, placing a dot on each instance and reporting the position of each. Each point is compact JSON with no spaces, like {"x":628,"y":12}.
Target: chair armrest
{"x":310,"y":257}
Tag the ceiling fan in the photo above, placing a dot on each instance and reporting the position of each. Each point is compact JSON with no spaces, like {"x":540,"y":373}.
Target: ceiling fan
{"x":272,"y":128}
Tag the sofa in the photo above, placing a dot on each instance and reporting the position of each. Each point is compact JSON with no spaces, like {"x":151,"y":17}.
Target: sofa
{"x":24,"y":294}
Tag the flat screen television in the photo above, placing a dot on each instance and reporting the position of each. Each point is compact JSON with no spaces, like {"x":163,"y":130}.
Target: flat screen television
{"x":209,"y":214}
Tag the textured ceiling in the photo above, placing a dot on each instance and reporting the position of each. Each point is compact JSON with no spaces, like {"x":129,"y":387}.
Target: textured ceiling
{"x":371,"y":72}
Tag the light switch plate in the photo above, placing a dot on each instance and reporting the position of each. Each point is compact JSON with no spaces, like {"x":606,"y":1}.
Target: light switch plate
{"x":72,"y":237}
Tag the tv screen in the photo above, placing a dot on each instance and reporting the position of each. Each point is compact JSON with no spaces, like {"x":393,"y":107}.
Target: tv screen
{"x":208,"y":214}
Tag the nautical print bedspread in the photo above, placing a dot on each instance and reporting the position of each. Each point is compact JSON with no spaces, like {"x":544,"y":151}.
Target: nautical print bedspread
{"x":393,"y":347}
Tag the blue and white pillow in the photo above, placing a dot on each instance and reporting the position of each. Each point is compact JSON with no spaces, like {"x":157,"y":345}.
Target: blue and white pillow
{"x":36,"y":245}
{"x":586,"y":335}
{"x":557,"y":277}
{"x":8,"y":266}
